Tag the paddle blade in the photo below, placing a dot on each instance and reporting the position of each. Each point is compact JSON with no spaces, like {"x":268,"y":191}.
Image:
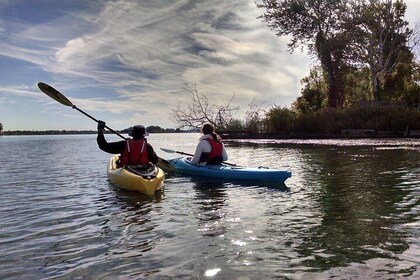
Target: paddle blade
{"x":177,"y":152}
{"x":165,"y":165}
{"x":54,"y":94}
{"x":168,"y":151}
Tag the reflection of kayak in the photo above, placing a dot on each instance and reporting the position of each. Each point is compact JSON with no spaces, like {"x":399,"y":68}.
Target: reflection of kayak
{"x":182,"y":165}
{"x":145,"y":180}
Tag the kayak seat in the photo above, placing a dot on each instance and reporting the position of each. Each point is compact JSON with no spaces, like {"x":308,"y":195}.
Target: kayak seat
{"x":147,"y":171}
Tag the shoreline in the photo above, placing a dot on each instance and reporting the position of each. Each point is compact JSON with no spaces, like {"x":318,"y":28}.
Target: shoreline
{"x":345,"y":134}
{"x":232,"y":135}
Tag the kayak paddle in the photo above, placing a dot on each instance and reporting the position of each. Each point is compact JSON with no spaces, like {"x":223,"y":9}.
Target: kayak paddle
{"x":165,"y":165}
{"x":59,"y":97}
{"x":187,"y":154}
{"x":177,"y":152}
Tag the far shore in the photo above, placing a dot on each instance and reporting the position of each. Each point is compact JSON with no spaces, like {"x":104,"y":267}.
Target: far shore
{"x":65,"y":132}
{"x":349,"y":133}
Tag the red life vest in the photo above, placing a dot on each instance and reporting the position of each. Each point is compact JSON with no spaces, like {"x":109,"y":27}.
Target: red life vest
{"x":135,"y":153}
{"x":215,"y":153}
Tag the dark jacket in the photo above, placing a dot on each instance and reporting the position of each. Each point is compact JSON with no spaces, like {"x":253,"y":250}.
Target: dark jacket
{"x":118,"y":147}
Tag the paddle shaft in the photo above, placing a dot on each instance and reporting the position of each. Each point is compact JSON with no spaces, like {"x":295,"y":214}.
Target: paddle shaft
{"x":86,"y":114}
{"x":182,"y":153}
{"x":187,"y":154}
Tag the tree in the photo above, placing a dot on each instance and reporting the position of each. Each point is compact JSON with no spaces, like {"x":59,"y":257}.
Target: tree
{"x":200,"y":111}
{"x":414,"y":42}
{"x":1,"y":127}
{"x":155,"y":129}
{"x":314,"y":92}
{"x":357,"y":85}
{"x":381,"y":37}
{"x":403,"y":84}
{"x":316,"y":24}
{"x":254,"y":116}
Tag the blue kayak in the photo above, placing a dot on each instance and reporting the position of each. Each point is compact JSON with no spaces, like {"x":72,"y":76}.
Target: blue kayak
{"x":183,"y":165}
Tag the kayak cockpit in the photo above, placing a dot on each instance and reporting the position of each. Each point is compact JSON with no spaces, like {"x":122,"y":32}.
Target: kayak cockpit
{"x":147,"y":171}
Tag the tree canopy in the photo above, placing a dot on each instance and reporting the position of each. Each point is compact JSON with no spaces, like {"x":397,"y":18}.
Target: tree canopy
{"x":347,"y":37}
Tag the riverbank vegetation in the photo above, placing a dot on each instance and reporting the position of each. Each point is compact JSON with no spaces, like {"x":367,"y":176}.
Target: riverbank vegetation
{"x":389,"y":118}
{"x":149,"y":129}
{"x":366,"y":75}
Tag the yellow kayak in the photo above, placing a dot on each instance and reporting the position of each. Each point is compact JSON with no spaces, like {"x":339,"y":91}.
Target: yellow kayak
{"x":146,"y":180}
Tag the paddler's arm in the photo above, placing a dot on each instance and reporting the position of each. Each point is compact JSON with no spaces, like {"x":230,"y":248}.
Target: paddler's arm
{"x":224,"y":154}
{"x":153,"y":158}
{"x":198,"y":151}
{"x":112,"y":147}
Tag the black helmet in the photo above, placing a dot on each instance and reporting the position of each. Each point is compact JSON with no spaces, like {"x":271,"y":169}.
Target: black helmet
{"x":138,"y":131}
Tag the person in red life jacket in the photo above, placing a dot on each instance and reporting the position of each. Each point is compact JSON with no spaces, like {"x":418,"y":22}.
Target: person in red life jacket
{"x":210,"y":150}
{"x":133,"y":151}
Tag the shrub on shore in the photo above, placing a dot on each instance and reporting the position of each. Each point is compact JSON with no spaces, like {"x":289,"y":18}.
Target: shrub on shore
{"x":332,"y":121}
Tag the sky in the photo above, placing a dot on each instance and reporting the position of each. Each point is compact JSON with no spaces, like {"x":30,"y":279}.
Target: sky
{"x":129,"y":62}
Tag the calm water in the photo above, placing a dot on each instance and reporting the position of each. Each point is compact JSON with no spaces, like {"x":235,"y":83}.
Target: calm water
{"x":350,"y":210}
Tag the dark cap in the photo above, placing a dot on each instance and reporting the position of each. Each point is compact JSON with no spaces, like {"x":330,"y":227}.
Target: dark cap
{"x":138,"y":131}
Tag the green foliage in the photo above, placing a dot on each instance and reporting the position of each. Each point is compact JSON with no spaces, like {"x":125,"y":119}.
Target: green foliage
{"x":374,"y":116}
{"x":280,"y":119}
{"x":324,"y":121}
{"x":252,"y":122}
{"x":314,"y":92}
{"x":401,"y":85}
{"x":412,"y":96}
{"x":236,"y":125}
{"x":357,"y":86}
{"x":381,"y":116}
{"x":253,"y":117}
{"x":320,"y":26}
{"x":361,"y":47}
{"x":155,"y":129}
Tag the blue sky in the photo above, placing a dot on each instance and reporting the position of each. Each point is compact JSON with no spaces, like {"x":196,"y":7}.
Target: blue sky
{"x":128,"y":62}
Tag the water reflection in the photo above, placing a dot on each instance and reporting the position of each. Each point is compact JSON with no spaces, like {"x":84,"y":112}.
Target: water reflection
{"x":349,"y":198}
{"x":357,"y":209}
{"x":210,"y":198}
{"x":119,"y":228}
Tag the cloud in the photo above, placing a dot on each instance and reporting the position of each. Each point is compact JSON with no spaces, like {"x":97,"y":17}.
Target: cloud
{"x":147,"y":53}
{"x":155,"y":45}
{"x":21,"y":90}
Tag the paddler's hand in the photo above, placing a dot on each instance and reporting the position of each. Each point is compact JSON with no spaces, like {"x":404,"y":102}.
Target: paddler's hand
{"x":101,"y":126}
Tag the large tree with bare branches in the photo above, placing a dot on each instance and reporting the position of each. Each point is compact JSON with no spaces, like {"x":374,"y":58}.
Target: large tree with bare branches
{"x":199,"y":111}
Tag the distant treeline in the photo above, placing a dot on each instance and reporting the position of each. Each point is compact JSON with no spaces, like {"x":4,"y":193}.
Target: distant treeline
{"x":150,"y":129}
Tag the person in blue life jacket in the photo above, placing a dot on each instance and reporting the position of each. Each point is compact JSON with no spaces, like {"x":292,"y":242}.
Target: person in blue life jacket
{"x":133,"y":151}
{"x":210,"y":150}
